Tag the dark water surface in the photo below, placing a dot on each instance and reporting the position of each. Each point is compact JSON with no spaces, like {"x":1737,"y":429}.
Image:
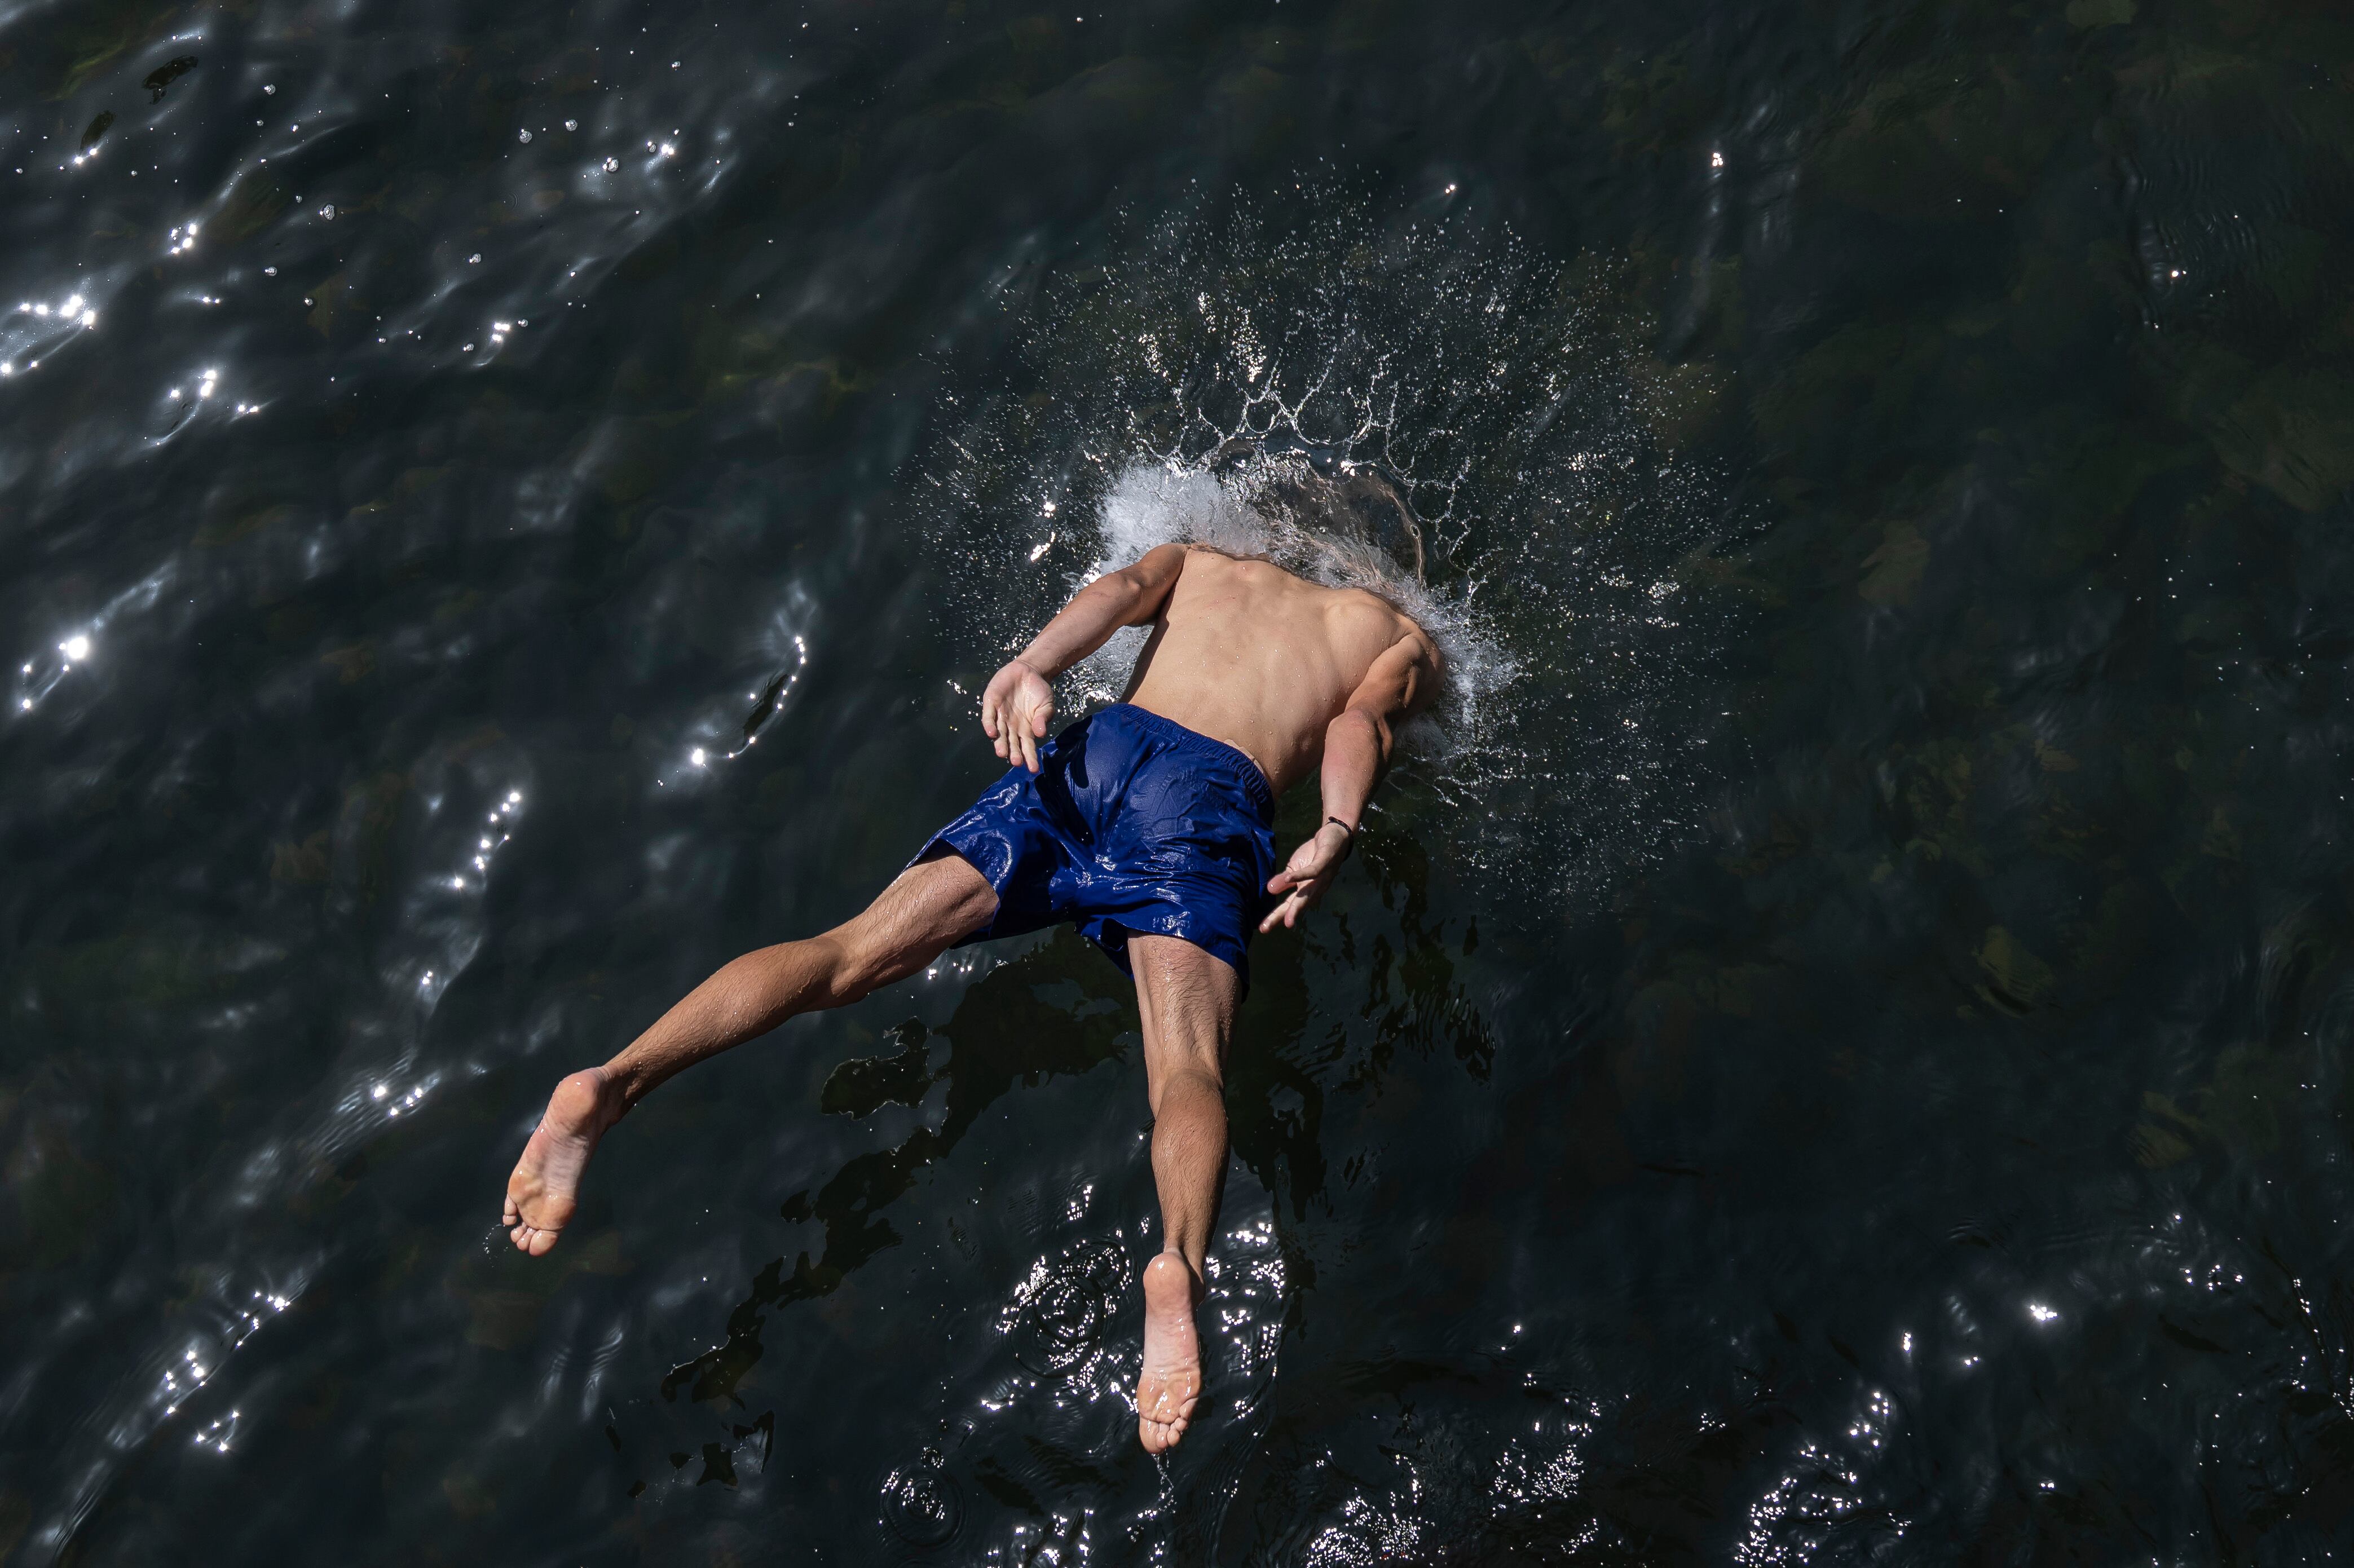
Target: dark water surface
{"x":1838,"y":1053}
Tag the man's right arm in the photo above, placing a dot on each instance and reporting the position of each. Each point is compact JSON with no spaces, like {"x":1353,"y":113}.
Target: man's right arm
{"x":1019,"y":701}
{"x":1356,"y":753}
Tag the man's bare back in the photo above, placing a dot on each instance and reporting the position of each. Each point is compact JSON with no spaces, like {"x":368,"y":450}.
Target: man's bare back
{"x":1264,"y":660}
{"x":1156,"y":839}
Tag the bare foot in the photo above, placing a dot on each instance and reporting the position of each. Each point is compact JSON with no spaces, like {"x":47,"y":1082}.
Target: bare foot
{"x":1172,"y":1357}
{"x":546,"y":1186}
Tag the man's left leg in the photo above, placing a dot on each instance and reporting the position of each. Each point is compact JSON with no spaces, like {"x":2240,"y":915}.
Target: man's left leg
{"x":927,"y":907}
{"x":1187,"y":1000}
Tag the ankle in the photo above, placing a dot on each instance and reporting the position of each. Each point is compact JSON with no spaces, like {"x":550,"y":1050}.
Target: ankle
{"x":588,"y":1101}
{"x":1194,"y":1283}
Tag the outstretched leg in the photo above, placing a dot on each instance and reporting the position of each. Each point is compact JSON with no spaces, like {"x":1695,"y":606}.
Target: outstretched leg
{"x":1187,"y":1000}
{"x":925,"y":910}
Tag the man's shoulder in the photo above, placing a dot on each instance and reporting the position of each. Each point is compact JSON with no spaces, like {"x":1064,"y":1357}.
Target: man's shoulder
{"x":1375,"y":613}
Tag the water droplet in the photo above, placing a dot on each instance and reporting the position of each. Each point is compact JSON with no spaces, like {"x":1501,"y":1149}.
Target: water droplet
{"x":920,"y":1503}
{"x":1064,"y":1311}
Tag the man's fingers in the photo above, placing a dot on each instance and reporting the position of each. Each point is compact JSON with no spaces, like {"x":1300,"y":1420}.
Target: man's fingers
{"x":1303,"y":881}
{"x":1287,"y":913}
{"x":1302,"y":895}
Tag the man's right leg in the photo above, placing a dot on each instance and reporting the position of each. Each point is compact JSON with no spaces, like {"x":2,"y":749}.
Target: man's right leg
{"x":1187,"y":1000}
{"x":927,"y":910}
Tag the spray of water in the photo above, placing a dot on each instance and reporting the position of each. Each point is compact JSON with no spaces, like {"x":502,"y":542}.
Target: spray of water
{"x":1279,"y":507}
{"x":1281,"y":388}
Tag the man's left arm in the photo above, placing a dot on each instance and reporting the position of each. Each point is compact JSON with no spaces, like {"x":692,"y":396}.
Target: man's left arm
{"x":1356,"y":753}
{"x":1019,"y":701}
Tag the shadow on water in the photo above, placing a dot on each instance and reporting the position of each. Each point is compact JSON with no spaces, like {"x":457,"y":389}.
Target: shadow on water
{"x":1003,"y":1034}
{"x":1061,"y":1009}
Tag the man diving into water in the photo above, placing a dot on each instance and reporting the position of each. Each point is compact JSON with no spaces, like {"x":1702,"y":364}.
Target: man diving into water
{"x":1149,"y":824}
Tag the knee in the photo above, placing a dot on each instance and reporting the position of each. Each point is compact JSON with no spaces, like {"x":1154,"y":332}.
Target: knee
{"x":1194,"y":1084}
{"x":858,"y":963}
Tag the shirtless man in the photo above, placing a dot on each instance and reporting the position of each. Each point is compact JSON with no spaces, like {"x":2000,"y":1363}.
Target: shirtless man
{"x":1149,"y":824}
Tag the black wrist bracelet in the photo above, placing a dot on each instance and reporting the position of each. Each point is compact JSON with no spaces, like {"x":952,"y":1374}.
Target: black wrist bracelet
{"x":1351,"y":847}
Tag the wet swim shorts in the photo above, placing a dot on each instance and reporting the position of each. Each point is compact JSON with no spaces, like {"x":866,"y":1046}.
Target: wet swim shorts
{"x":1132,"y":824}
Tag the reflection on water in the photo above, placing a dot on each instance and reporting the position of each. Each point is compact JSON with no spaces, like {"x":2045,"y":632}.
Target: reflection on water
{"x":1832,"y":1049}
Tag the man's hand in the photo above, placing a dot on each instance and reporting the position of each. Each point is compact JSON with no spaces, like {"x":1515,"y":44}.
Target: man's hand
{"x":1308,"y":876}
{"x":1015,"y":710}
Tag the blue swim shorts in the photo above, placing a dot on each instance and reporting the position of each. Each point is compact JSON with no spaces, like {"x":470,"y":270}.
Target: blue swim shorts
{"x":1131,"y":825}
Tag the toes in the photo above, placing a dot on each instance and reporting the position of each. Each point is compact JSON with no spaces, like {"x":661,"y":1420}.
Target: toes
{"x":1159,"y":1436}
{"x":1163,"y":1411}
{"x":541,"y":1241}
